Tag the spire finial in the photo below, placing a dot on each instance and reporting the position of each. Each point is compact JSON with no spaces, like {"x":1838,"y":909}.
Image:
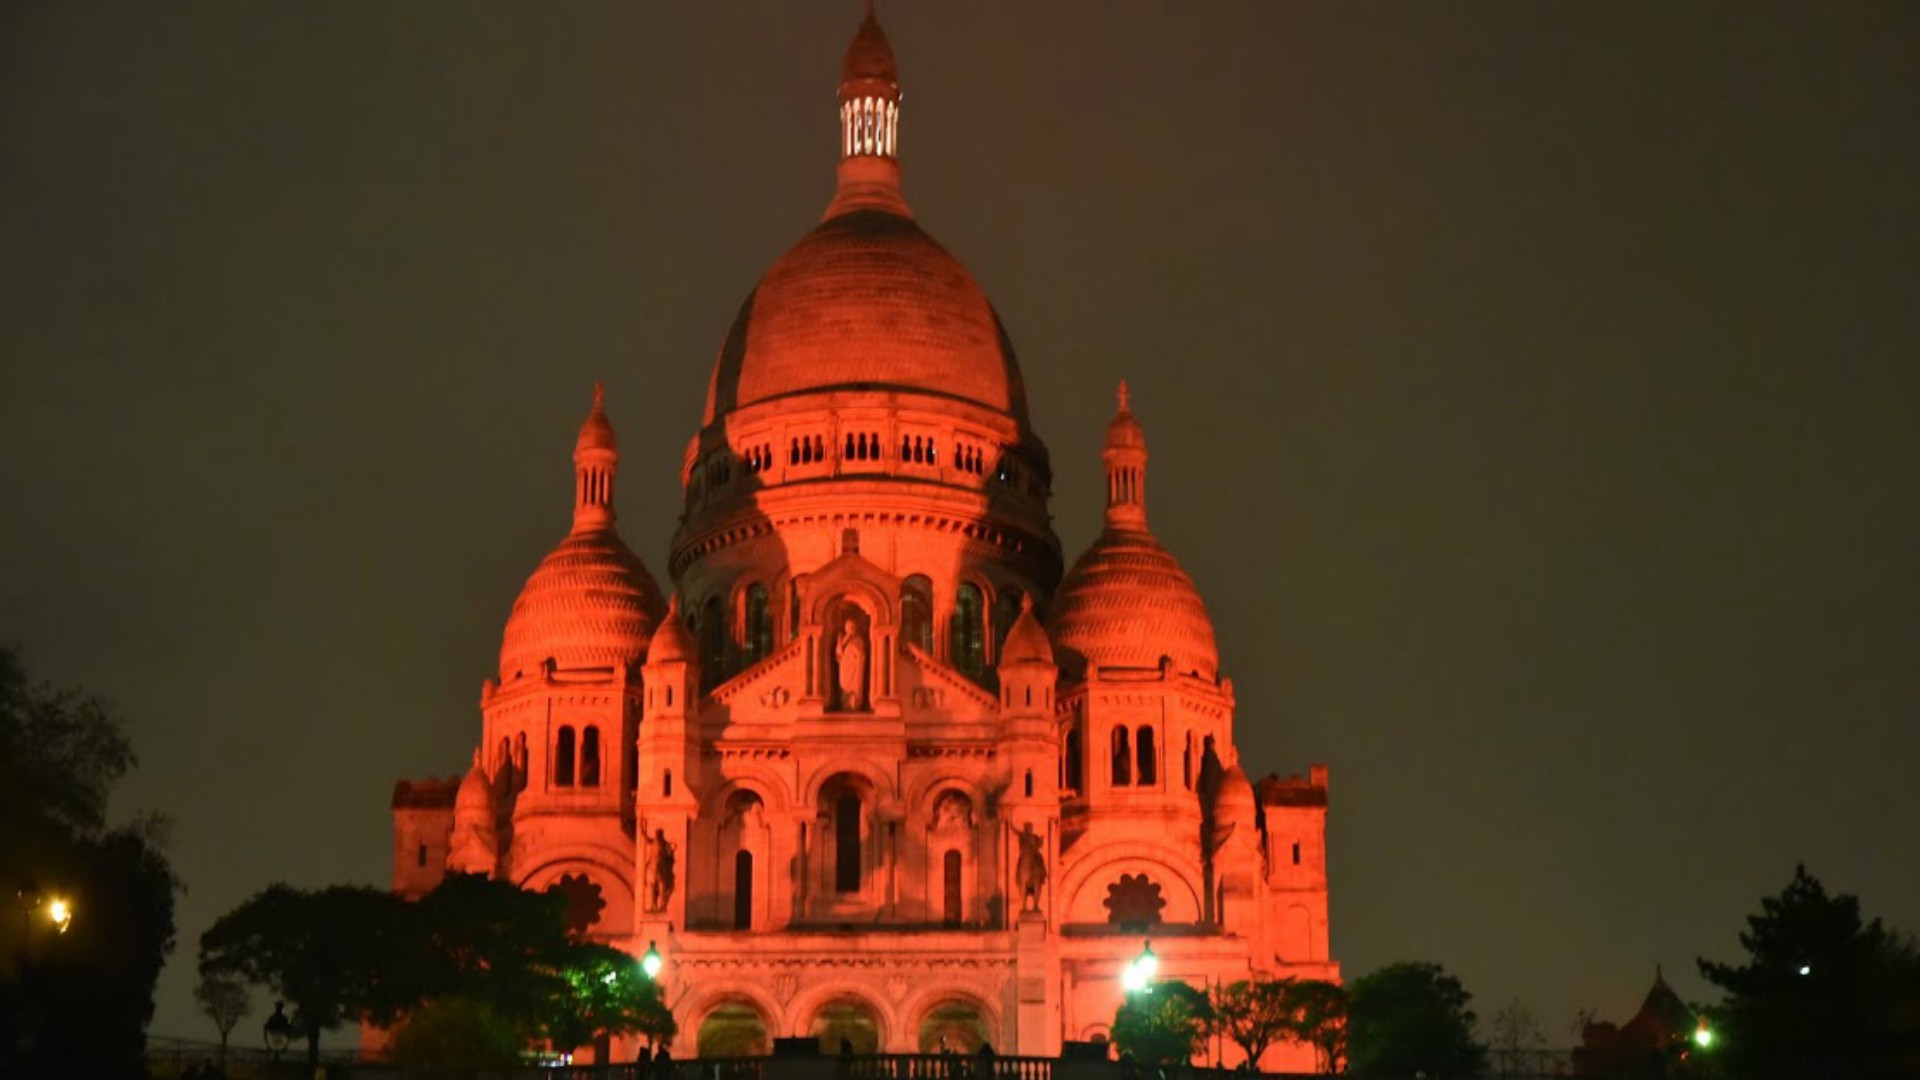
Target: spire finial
{"x":1125,"y":456}
{"x":599,"y":395}
{"x":596,"y":455}
{"x":869,"y":170}
{"x":1126,"y":402}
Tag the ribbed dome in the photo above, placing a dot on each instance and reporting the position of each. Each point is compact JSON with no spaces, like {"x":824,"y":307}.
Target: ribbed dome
{"x":867,"y":300}
{"x":1126,"y":603}
{"x":1026,"y":639}
{"x":590,"y":603}
{"x":1235,"y":799}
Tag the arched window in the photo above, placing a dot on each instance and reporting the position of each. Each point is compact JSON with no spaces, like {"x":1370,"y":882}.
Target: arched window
{"x":1006,"y":608}
{"x":1122,"y":758}
{"x":563,"y":758}
{"x":1149,"y":769}
{"x":590,"y":756}
{"x":968,"y":650}
{"x":916,"y":612}
{"x":846,"y":843}
{"x":951,"y":894}
{"x":759,"y":624}
{"x":743,"y":890}
{"x":713,"y":643}
{"x":1029,"y":784}
{"x":1075,"y":762}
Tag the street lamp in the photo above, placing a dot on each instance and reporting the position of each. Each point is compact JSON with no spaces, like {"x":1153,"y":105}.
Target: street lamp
{"x":652,"y":962}
{"x":1703,"y":1035}
{"x":1139,"y":974}
{"x":278,"y":1030}
{"x":61,"y":914}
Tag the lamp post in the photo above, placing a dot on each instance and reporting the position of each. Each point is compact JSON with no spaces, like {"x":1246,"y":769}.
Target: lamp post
{"x":278,"y":1030}
{"x":59,"y":913}
{"x":652,"y":962}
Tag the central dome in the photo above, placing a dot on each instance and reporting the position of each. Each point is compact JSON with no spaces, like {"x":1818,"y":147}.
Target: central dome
{"x":867,"y":300}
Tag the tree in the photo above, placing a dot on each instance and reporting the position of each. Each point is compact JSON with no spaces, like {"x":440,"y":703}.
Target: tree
{"x":1821,"y":993}
{"x":335,"y":954}
{"x":1515,"y":1036}
{"x":1253,"y":1014}
{"x":223,"y":998}
{"x":83,"y":997}
{"x":601,"y":991}
{"x":457,"y":1036}
{"x":1163,"y":1024}
{"x":1320,"y":1020}
{"x":1409,"y":1018}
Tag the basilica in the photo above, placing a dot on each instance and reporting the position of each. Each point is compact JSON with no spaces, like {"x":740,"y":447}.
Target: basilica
{"x":878,"y":766}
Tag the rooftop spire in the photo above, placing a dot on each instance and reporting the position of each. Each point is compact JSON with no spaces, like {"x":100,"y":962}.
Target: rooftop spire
{"x":1125,"y":456}
{"x":869,"y":170}
{"x":596,"y":456}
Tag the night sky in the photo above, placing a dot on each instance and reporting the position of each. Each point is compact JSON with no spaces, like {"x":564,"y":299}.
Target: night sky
{"x":1531,"y":390}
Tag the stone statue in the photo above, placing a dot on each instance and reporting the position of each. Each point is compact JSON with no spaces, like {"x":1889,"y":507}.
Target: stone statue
{"x":1030,"y":872}
{"x":659,"y":856}
{"x":851,"y":654}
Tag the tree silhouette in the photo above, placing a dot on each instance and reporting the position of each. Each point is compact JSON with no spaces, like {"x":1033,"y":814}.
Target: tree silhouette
{"x":223,"y":998}
{"x":1821,"y":992}
{"x":1411,"y":1018}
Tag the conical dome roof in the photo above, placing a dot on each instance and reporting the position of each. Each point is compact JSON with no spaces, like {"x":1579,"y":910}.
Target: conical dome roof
{"x":1026,"y":639}
{"x":671,"y":641}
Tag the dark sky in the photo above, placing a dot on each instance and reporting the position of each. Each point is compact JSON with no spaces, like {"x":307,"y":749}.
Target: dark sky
{"x":1531,"y":390}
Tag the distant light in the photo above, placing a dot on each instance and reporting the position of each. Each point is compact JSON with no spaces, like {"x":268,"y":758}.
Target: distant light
{"x":608,"y":978}
{"x":60,"y":913}
{"x":1703,"y":1035}
{"x":651,"y":963}
{"x":1806,"y":969}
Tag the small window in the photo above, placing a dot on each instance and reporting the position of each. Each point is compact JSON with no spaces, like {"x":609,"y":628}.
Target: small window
{"x":590,"y":757}
{"x":1122,"y":758}
{"x":968,"y":648}
{"x":420,"y":859}
{"x":1296,"y":853}
{"x":563,"y":758}
{"x":1149,"y":768}
{"x":1029,"y":784}
{"x":846,"y":844}
{"x":666,"y":783}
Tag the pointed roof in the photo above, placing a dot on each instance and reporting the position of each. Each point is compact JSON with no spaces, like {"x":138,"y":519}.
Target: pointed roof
{"x":1026,"y":641}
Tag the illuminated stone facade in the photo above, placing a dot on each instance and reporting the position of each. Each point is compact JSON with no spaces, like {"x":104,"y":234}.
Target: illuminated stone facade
{"x":878,"y":770}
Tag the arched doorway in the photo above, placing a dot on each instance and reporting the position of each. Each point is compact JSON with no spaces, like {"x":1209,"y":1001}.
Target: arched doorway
{"x":956,"y":1026}
{"x":849,"y":1020}
{"x":732,"y":1029}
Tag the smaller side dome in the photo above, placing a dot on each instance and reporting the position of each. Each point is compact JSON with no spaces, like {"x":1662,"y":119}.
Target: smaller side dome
{"x":475,"y":797}
{"x":671,"y":641}
{"x":1234,"y":800}
{"x":1026,"y":640}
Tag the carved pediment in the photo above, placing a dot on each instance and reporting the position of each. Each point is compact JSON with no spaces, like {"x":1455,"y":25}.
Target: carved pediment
{"x":772,"y":686}
{"x":929,"y":686}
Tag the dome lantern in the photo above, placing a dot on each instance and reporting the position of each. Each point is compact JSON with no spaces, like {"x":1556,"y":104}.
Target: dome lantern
{"x":596,"y":456}
{"x":1125,"y":456}
{"x":869,"y":170}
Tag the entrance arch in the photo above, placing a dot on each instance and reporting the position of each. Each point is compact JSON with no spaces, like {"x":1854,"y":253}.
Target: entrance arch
{"x":850,"y":1019}
{"x":733,"y":1029}
{"x":954,"y":1025}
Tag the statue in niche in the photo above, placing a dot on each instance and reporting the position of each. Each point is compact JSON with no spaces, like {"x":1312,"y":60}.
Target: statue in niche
{"x":850,"y":657}
{"x":659,"y":868}
{"x":1030,"y":872}
{"x":953,"y":811}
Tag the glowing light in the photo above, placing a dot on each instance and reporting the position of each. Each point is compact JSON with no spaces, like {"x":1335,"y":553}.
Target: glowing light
{"x":60,"y":912}
{"x":652,"y":962}
{"x":1138,"y":974}
{"x":1703,"y":1035}
{"x":1806,"y":969}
